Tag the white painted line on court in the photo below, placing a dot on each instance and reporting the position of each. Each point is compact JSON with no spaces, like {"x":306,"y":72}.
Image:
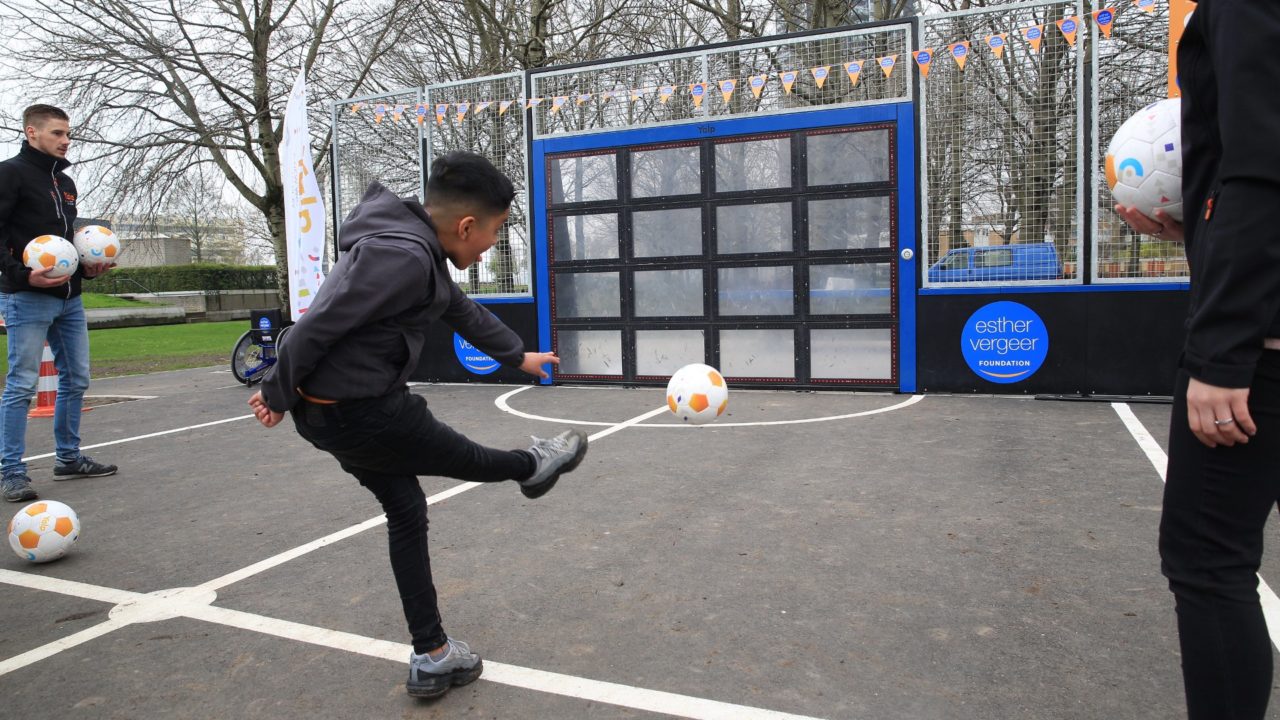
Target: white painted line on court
{"x":147,"y":436}
{"x":504,"y":406}
{"x":1160,"y":460}
{"x":194,"y":603}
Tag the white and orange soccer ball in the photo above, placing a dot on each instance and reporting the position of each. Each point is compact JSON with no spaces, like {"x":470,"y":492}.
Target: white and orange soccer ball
{"x":44,"y":530}
{"x":1144,"y":160}
{"x":96,"y":244}
{"x":51,"y":251}
{"x":697,"y":394}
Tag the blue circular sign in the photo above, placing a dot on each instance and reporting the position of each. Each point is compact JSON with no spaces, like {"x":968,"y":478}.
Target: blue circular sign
{"x":1004,"y":342}
{"x":472,"y":359}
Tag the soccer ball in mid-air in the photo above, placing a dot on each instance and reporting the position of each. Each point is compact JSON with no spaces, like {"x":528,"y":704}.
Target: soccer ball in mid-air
{"x":51,"y":251}
{"x":44,"y":530}
{"x":1144,"y":160}
{"x":96,"y":244}
{"x":697,"y":394}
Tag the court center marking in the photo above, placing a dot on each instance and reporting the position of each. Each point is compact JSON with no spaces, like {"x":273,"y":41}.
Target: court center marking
{"x":503,"y":405}
{"x":1159,"y":459}
{"x":133,"y":607}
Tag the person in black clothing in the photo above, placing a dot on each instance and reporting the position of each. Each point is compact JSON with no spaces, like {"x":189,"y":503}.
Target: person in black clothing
{"x":1223,"y":477}
{"x":342,"y":373}
{"x":38,"y":198}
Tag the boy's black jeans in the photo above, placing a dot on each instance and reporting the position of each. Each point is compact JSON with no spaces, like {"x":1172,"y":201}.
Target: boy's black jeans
{"x":386,"y":442}
{"x":1216,"y":505}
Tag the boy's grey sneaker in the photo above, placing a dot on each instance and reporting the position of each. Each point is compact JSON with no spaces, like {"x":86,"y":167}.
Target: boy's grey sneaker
{"x":432,"y":678}
{"x":83,"y":467}
{"x":554,"y":456}
{"x":17,"y":488}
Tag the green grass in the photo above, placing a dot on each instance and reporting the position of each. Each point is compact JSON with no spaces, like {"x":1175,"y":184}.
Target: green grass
{"x":129,"y":351}
{"x":93,"y":301}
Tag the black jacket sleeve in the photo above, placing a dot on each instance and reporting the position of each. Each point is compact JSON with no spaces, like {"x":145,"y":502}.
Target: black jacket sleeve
{"x":10,"y":263}
{"x":479,"y":326}
{"x":1238,"y":278}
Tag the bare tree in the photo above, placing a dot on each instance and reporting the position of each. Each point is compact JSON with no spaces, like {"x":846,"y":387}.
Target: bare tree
{"x":160,"y":85}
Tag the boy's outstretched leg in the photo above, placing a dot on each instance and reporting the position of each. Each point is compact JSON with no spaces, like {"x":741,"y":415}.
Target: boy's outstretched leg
{"x":554,"y":457}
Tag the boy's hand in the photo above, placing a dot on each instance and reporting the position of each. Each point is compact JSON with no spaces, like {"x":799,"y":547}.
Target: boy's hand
{"x":266,"y":416}
{"x":533,"y":363}
{"x":40,"y":278}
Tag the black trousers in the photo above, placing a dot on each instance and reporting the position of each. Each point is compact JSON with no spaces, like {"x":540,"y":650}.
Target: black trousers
{"x":1216,"y":504}
{"x":386,"y":442}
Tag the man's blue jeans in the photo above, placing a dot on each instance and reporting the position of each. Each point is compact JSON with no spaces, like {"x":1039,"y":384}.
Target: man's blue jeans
{"x":30,"y":318}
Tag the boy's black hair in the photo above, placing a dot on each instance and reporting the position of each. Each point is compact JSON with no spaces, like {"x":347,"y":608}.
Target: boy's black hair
{"x":466,"y":179}
{"x":38,"y":115}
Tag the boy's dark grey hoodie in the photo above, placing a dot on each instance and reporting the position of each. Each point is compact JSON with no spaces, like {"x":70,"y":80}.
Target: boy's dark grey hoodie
{"x":363,"y":334}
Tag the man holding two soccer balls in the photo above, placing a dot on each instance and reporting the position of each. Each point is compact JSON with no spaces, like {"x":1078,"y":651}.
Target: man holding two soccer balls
{"x":38,"y":198}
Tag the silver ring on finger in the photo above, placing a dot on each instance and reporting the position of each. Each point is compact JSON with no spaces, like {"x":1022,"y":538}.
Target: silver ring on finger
{"x":1227,"y":421}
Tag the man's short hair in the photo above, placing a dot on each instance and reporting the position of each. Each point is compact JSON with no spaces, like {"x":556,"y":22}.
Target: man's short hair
{"x":38,"y":115}
{"x":467,"y":180}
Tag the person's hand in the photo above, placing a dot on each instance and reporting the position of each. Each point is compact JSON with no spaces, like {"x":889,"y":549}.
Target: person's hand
{"x":96,"y":269}
{"x":1218,"y":415}
{"x":1162,"y":226}
{"x":265,"y":415}
{"x":533,"y":363}
{"x":40,"y":278}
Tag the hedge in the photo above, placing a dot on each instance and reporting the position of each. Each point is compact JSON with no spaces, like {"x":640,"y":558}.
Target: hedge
{"x":184,"y":278}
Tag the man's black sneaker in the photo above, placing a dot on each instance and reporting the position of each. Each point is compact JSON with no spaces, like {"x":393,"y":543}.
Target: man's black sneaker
{"x":17,"y":488}
{"x":432,"y":678}
{"x":554,"y":456}
{"x":83,"y":467}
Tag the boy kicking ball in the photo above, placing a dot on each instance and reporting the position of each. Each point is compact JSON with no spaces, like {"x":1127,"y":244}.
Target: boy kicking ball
{"x":342,"y":375}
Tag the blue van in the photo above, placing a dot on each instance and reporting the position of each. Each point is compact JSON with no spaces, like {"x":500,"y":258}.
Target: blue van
{"x":1001,"y":263}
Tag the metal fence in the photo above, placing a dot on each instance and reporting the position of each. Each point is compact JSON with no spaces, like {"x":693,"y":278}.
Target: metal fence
{"x":850,"y":67}
{"x":393,"y":137}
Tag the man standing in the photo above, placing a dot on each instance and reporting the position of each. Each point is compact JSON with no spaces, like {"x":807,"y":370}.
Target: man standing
{"x":38,"y":198}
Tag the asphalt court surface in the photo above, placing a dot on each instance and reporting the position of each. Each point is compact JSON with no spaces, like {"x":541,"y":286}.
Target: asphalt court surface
{"x":863,"y":556}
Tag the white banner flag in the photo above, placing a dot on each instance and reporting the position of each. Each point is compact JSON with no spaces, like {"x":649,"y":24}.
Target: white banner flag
{"x":303,"y":208}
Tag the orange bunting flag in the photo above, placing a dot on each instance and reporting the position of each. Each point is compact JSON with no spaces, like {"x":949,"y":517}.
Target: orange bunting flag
{"x":533,"y":103}
{"x":558,"y":102}
{"x":396,"y":112}
{"x":610,"y":94}
{"x":757,"y":84}
{"x":997,"y":42}
{"x":441,"y":109}
{"x":421,"y":112}
{"x":481,"y":107}
{"x":924,"y":58}
{"x":820,"y":74}
{"x":1103,"y":19}
{"x":726,"y":89}
{"x":959,"y":52}
{"x":788,"y":79}
{"x":582,"y":98}
{"x":1034,"y":35}
{"x":665,"y":92}
{"x":503,"y":106}
{"x":1069,"y":26}
{"x":887,"y":63}
{"x":698,"y":91}
{"x":378,"y":111}
{"x":355,"y":108}
{"x":853,"y":68}
{"x":462,"y":108}
{"x":1146,"y":5}
{"x":637,"y":93}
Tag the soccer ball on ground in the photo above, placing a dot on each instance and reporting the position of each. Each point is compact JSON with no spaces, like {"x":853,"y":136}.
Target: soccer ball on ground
{"x":96,"y":244}
{"x":697,"y":394}
{"x":44,"y":530}
{"x":51,"y":251}
{"x":1144,"y":160}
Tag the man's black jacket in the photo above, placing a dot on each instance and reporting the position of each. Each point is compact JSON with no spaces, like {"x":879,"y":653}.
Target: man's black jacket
{"x":37,"y":198}
{"x":1230,"y":77}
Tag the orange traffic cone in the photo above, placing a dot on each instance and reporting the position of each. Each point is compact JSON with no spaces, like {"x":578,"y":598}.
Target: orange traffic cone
{"x":47,"y":387}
